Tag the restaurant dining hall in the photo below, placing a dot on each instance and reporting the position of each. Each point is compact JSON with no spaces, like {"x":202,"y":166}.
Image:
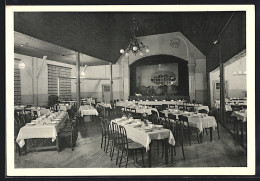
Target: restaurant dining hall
{"x":129,"y":89}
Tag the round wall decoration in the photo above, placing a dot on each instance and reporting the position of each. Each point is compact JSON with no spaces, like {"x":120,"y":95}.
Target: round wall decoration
{"x":175,"y":43}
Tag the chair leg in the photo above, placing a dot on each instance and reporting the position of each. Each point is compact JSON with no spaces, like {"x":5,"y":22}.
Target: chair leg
{"x":183,"y":152}
{"x":198,"y":137}
{"x":117,"y":156}
{"x":172,"y":154}
{"x":126,"y":159}
{"x":218,"y":132}
{"x":189,"y":134}
{"x":101,"y":140}
{"x":142,"y":157}
{"x":121,"y":158}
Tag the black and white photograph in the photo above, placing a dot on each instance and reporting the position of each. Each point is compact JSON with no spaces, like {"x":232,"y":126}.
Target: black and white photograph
{"x":122,"y":90}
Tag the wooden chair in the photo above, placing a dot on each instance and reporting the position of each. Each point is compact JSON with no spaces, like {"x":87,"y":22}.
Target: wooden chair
{"x":190,"y":108}
{"x":18,"y":124}
{"x":68,"y":133}
{"x":181,"y":107}
{"x":189,"y":129}
{"x":125,"y":147}
{"x":177,"y":132}
{"x":165,"y":106}
{"x":104,"y":133}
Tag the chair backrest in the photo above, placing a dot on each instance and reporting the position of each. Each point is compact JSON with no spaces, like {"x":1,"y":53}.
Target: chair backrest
{"x":236,"y":107}
{"x":183,"y":119}
{"x":164,"y":106}
{"x":178,"y":133}
{"x":181,"y":107}
{"x":203,"y":111}
{"x":171,"y":106}
{"x":154,"y":117}
{"x":161,"y":114}
{"x":190,"y":108}
{"x":122,"y":139}
{"x":172,"y":116}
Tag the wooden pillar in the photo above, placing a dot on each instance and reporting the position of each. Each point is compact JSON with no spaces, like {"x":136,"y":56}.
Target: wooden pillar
{"x":78,"y":79}
{"x":111,"y":83}
{"x":222,"y":84}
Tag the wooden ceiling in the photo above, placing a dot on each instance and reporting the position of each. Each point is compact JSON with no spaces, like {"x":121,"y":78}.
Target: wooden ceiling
{"x":103,"y":34}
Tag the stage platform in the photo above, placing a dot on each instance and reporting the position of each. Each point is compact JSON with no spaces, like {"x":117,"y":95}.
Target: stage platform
{"x":161,"y":97}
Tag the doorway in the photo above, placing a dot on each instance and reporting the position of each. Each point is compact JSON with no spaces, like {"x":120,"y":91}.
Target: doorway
{"x":216,"y":89}
{"x":106,"y":93}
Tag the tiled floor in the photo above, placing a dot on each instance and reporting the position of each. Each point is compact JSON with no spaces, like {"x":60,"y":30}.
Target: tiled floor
{"x":224,"y":152}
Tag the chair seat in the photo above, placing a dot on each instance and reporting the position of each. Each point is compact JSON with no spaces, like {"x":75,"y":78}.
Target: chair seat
{"x":134,"y":145}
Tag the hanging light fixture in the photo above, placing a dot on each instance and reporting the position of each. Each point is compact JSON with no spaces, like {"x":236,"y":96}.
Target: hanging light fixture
{"x":21,"y":65}
{"x":136,"y":45}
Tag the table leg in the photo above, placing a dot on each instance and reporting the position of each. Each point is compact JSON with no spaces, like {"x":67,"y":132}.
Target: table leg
{"x":166,"y":150}
{"x":210,"y":130}
{"x":242,"y":135}
{"x":57,"y":144}
{"x":150,"y":156}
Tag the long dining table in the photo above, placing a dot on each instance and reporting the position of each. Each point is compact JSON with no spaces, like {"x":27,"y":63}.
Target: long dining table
{"x":43,"y":127}
{"x":140,"y":135}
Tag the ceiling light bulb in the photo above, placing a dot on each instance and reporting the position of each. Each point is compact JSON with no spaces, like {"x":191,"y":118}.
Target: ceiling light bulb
{"x":147,"y":50}
{"x":141,"y":54}
{"x":239,"y":72}
{"x":21,"y":65}
{"x":134,"y":48}
{"x":234,"y":72}
{"x":22,"y":45}
{"x":122,"y":51}
{"x":126,"y":54}
{"x":82,"y":74}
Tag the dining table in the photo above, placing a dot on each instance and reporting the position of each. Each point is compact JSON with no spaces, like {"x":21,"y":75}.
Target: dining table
{"x":45,"y":126}
{"x":88,"y":110}
{"x":138,"y":132}
{"x":198,"y":120}
{"x":64,"y":107}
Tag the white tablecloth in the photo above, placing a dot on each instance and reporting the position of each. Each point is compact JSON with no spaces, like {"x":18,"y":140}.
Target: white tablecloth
{"x":201,"y":123}
{"x":195,"y":121}
{"x":41,"y":111}
{"x":104,"y":105}
{"x":240,"y":115}
{"x":144,"y":138}
{"x":40,"y":131}
{"x":64,"y":107}
{"x":150,"y":103}
{"x":87,"y":110}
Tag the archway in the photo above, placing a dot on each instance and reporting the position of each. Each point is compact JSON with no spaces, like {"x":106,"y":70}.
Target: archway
{"x":155,"y":75}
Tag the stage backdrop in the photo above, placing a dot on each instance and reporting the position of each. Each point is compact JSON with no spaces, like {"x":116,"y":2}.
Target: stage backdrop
{"x":159,"y":75}
{"x":152,"y":75}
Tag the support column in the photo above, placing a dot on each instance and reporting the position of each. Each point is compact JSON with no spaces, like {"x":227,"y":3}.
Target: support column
{"x":192,"y":84}
{"x":111,"y":83}
{"x":222,"y":84}
{"x":78,"y":79}
{"x":126,"y":78}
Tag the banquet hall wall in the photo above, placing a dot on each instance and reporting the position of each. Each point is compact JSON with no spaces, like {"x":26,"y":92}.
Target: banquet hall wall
{"x":160,"y":44}
{"x":89,"y":88}
{"x":237,"y":84}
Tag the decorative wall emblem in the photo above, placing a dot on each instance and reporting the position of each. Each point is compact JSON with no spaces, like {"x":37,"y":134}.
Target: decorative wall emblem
{"x":175,"y":43}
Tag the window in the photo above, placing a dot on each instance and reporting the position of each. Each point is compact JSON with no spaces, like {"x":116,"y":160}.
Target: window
{"x":64,"y":84}
{"x":106,"y":88}
{"x":17,"y":86}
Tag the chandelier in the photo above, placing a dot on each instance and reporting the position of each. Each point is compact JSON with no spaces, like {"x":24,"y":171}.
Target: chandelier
{"x":136,"y":45}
